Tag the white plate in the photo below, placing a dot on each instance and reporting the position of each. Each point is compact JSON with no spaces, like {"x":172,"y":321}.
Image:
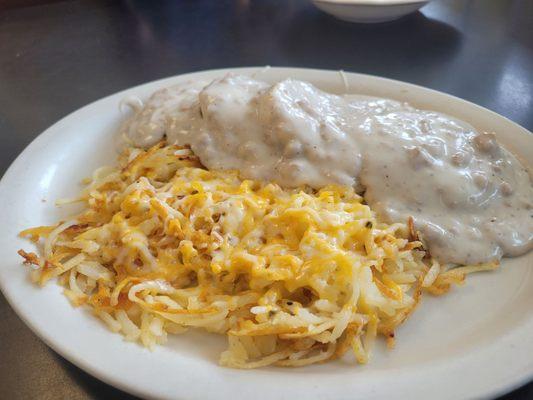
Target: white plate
{"x":476,"y":341}
{"x":369,"y":11}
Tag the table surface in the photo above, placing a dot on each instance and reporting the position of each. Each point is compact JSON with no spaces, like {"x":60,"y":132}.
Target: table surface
{"x":60,"y":55}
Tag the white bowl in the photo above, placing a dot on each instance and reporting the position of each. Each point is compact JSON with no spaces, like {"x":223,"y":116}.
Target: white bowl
{"x":369,"y":11}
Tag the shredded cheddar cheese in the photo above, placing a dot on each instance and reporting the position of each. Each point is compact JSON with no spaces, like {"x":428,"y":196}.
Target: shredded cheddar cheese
{"x":291,"y":277}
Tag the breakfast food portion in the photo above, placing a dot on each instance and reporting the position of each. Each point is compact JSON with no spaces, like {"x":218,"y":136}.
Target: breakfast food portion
{"x":298,"y":223}
{"x":470,"y":198}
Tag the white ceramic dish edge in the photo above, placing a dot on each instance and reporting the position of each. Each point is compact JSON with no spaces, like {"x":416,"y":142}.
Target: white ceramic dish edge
{"x":365,"y":12}
{"x":376,"y":3}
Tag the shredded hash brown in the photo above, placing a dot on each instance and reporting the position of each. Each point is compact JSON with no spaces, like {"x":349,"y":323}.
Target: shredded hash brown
{"x":291,"y":277}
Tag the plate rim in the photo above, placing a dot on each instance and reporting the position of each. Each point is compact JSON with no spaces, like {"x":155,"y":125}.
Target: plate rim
{"x":370,"y":3}
{"x":48,"y":134}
